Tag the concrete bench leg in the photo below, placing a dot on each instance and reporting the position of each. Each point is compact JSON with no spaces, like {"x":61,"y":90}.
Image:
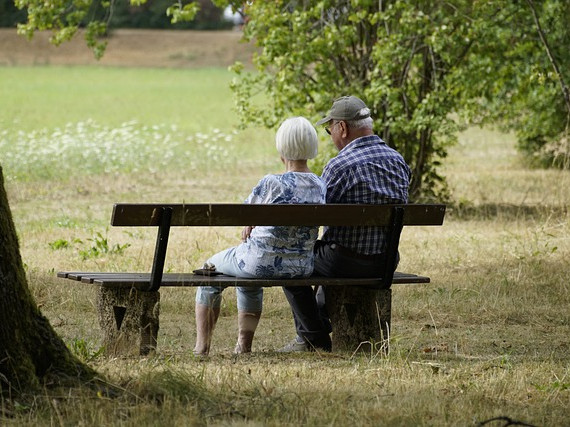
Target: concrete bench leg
{"x":360,"y":318}
{"x":129,"y":320}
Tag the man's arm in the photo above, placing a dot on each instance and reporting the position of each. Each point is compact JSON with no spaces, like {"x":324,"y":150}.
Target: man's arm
{"x":337,"y":182}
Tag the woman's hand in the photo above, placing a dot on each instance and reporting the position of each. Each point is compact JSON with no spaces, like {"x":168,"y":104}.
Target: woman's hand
{"x":246,"y":232}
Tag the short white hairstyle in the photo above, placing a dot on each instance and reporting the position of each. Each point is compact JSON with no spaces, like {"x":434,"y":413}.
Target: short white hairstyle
{"x":296,"y":139}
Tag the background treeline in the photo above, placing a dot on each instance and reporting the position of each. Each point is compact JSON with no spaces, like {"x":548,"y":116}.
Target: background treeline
{"x":152,"y":14}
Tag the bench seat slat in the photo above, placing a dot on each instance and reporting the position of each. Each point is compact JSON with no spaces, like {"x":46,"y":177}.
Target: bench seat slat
{"x":141,"y":280}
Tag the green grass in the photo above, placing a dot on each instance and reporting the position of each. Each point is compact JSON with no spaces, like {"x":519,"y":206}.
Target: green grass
{"x":487,"y":338}
{"x":58,"y":123}
{"x":33,"y":98}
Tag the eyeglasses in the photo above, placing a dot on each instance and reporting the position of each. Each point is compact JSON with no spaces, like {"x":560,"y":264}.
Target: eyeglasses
{"x":328,"y":128}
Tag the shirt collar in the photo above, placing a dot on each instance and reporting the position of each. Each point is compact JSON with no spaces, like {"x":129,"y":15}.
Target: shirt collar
{"x":362,"y":142}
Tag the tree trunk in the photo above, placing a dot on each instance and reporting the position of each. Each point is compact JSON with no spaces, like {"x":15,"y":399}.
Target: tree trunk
{"x":31,"y":353}
{"x":360,"y":318}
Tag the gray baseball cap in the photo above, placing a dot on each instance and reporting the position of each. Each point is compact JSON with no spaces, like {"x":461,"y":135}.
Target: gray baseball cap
{"x":346,"y":108}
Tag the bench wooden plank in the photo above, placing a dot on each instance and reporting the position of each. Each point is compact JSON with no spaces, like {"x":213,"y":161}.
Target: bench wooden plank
{"x":141,"y":215}
{"x":141,"y":280}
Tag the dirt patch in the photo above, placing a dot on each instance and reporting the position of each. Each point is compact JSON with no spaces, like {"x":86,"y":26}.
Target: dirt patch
{"x":132,"y":48}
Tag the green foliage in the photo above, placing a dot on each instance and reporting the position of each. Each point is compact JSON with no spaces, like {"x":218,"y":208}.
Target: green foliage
{"x":400,"y":57}
{"x":181,"y":13}
{"x":101,"y":246}
{"x":513,"y":80}
{"x":200,"y":14}
{"x":84,"y":350}
{"x":418,"y":65}
{"x":59,"y":244}
{"x":65,"y":17}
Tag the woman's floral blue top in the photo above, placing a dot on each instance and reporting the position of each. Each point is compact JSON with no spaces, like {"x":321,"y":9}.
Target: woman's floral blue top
{"x":282,"y":252}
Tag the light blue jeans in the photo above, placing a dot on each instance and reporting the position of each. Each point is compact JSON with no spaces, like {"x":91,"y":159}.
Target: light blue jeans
{"x":248,"y":299}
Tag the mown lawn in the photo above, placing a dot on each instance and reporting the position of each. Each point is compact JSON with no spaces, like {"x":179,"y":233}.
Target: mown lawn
{"x":487,"y":338}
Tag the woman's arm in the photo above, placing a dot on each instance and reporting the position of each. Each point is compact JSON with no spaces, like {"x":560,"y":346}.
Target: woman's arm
{"x":246,"y":232}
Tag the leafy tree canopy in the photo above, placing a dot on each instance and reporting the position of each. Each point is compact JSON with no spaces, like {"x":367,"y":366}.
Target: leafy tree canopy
{"x":424,"y":67}
{"x":524,"y":70}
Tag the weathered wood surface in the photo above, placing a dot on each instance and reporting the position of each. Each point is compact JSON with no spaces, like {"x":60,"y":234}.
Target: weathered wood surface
{"x":141,"y":280}
{"x":141,"y":215}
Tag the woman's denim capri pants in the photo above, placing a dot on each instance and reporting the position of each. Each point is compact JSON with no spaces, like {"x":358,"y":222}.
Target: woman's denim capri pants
{"x":248,"y":299}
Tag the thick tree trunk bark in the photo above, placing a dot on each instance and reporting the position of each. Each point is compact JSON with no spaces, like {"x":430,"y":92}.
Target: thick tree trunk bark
{"x":360,"y":318}
{"x":31,"y":353}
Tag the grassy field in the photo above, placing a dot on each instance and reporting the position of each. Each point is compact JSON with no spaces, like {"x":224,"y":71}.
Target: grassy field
{"x":488,"y":338}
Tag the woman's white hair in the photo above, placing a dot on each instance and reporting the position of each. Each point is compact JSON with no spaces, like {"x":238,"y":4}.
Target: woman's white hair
{"x":296,"y":139}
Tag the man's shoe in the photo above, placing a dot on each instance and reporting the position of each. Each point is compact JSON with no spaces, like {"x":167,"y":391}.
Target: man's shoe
{"x":298,"y":345}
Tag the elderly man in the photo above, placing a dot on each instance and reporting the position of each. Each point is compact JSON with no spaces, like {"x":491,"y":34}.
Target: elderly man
{"x":366,"y":170}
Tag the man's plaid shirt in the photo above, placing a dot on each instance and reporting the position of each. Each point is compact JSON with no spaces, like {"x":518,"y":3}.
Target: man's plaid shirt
{"x":365,"y":171}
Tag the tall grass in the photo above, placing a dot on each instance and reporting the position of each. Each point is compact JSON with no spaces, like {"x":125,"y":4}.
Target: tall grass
{"x":487,"y":338}
{"x":88,"y":147}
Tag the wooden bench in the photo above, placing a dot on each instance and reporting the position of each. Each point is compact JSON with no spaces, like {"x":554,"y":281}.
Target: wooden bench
{"x":128,"y":303}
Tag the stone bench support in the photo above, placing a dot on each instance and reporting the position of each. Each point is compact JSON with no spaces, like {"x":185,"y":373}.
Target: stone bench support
{"x":129,"y":320}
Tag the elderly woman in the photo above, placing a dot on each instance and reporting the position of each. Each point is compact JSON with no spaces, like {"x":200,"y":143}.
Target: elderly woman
{"x":267,"y":251}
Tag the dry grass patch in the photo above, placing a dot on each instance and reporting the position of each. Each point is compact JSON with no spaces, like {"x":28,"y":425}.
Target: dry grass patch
{"x":488,"y":337}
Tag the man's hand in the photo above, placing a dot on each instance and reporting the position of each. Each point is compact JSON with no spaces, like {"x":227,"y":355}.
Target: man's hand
{"x":246,"y":232}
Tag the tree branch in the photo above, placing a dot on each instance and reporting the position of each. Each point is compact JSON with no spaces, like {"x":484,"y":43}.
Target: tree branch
{"x":553,"y":62}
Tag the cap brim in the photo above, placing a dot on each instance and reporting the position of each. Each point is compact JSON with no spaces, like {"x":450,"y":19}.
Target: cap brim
{"x":323,"y":121}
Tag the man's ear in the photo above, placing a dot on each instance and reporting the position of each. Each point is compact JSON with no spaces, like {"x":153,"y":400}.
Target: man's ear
{"x":344,"y":129}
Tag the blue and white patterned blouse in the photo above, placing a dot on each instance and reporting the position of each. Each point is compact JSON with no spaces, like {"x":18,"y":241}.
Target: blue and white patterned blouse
{"x":284,"y":251}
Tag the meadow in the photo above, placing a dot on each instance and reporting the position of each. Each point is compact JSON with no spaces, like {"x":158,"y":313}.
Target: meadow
{"x":487,"y":338}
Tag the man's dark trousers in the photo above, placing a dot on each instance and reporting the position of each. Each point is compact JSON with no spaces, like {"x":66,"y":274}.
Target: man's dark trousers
{"x":309,"y":312}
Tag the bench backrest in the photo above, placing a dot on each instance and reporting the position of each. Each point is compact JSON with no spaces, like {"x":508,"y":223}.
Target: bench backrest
{"x":165,"y":216}
{"x":243,"y":214}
